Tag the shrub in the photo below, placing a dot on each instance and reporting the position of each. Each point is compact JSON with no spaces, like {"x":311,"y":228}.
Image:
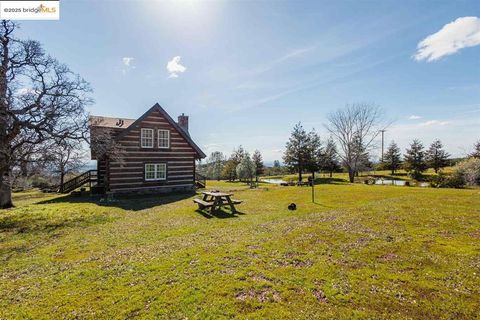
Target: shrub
{"x":469,"y":171}
{"x":443,"y":180}
{"x":41,"y":182}
{"x":21,"y":184}
{"x":246,"y":169}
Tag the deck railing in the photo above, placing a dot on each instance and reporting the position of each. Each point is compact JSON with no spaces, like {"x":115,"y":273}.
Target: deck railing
{"x":89,"y":176}
{"x":200,"y":180}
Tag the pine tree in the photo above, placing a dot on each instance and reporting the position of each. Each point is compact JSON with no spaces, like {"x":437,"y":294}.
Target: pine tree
{"x":238,"y":154}
{"x":314,"y":152}
{"x":414,"y":159}
{"x":235,"y":158}
{"x":436,"y":157}
{"x":329,"y":158}
{"x":476,"y":151}
{"x":276,"y":169}
{"x":362,"y":161}
{"x":258,"y":161}
{"x":296,"y":152}
{"x":302,"y":149}
{"x":392,"y":158}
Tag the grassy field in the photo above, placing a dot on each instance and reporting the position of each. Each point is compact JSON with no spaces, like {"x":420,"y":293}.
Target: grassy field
{"x":358,"y":252}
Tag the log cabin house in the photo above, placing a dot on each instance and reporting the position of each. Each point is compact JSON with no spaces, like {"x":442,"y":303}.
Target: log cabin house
{"x":153,"y":154}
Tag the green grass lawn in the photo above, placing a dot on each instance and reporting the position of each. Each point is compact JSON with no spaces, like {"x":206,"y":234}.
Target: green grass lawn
{"x":358,"y":252}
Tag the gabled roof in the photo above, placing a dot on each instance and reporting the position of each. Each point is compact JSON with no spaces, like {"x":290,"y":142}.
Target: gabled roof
{"x":174,"y":124}
{"x":109,"y":122}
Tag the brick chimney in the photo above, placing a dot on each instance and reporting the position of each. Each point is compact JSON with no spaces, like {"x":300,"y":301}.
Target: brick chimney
{"x":183,"y":122}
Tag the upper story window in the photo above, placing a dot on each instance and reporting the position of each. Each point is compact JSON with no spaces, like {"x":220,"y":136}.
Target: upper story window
{"x":164,"y":139}
{"x":146,"y":138}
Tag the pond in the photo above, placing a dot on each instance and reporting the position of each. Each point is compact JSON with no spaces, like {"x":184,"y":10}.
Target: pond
{"x":390,"y":182}
{"x":422,"y":184}
{"x":274,"y":181}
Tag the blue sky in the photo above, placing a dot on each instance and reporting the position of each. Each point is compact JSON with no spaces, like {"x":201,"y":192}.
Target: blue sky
{"x":246,"y":72}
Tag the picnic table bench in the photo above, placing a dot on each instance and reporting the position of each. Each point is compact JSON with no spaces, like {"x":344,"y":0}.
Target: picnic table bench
{"x":203,"y":204}
{"x":215,"y":200}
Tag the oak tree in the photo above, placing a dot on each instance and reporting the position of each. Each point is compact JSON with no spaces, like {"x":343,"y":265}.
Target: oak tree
{"x":41,"y":99}
{"x":355,"y":128}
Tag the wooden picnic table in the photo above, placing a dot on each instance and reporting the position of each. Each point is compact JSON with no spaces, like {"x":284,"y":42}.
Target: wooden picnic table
{"x":215,"y":200}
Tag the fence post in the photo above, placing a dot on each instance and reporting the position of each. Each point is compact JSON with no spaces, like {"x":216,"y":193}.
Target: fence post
{"x":313,"y":186}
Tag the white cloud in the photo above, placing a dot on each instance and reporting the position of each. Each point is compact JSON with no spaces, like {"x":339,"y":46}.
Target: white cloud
{"x":293,"y":54}
{"x":174,"y":67}
{"x":434,"y":123}
{"x":127,"y":64}
{"x":461,"y":33}
{"x":414,"y":117}
{"x":465,"y":87}
{"x":127,"y":61}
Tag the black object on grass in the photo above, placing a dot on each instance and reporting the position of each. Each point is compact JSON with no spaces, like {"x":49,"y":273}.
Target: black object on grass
{"x":292,"y":206}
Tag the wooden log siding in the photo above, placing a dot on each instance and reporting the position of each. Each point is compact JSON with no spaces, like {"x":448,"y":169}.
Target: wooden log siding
{"x":101,"y":171}
{"x":129,"y":174}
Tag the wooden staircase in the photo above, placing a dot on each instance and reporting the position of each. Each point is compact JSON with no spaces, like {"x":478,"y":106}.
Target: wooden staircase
{"x":200,"y":181}
{"x":87,"y":177}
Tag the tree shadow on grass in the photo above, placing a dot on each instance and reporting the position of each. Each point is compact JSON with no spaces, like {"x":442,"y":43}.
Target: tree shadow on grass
{"x":323,"y":180}
{"x":319,"y":203}
{"x":126,"y":202}
{"x":220,"y":214}
{"x":46,"y":222}
{"x":40,"y":226}
{"x":37,"y":222}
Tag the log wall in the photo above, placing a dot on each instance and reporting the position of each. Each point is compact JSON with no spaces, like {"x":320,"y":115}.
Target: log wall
{"x":129,"y":175}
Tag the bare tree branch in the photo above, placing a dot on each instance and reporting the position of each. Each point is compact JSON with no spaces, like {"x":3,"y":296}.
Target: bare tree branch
{"x":355,"y":128}
{"x":41,"y":101}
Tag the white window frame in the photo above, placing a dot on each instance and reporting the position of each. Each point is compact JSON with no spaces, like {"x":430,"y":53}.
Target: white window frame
{"x":168,"y":138}
{"x":156,"y":171}
{"x":143,"y":139}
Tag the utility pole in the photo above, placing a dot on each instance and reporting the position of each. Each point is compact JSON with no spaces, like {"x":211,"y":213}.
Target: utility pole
{"x":383,"y":132}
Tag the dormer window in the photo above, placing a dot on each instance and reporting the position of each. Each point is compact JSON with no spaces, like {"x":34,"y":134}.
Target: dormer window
{"x":146,"y":140}
{"x":164,"y":139}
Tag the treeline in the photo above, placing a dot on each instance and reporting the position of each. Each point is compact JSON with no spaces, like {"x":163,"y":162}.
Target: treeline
{"x":352,"y":132}
{"x":350,"y":146}
{"x":46,"y":165}
{"x":239,"y":166}
{"x":417,"y":159}
{"x":305,"y":152}
{"x":277,"y":169}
